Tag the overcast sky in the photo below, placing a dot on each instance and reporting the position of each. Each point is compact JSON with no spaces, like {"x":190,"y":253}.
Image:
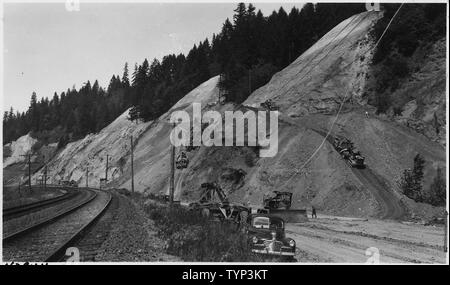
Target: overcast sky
{"x":48,"y":49}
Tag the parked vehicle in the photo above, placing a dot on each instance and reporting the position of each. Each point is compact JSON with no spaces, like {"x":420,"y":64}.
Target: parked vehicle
{"x":266,"y":236}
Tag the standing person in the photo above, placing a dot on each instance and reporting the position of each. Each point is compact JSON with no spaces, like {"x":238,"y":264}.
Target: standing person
{"x":313,"y":214}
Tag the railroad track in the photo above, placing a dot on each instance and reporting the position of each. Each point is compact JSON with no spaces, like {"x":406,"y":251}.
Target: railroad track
{"x":49,"y":239}
{"x":89,"y":240}
{"x":18,"y":211}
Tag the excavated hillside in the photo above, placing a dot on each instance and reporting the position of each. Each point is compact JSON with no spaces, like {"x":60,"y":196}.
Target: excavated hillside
{"x":151,"y":155}
{"x":309,"y":93}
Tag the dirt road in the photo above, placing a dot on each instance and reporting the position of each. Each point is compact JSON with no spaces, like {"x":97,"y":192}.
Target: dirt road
{"x":346,"y":240}
{"x":390,"y":204}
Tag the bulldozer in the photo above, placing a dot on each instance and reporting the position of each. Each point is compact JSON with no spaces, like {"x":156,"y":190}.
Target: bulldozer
{"x":214,"y":204}
{"x":278,"y":203}
{"x":277,"y":200}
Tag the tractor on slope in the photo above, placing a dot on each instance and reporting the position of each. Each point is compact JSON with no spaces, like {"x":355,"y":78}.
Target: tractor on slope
{"x":269,"y":105}
{"x":278,"y":203}
{"x":349,"y":152}
{"x":182,"y":160}
{"x":214,"y":204}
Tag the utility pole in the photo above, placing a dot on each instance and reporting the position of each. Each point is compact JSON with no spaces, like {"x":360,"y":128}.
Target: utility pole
{"x":29,"y":169}
{"x":106,"y":172}
{"x":172,"y":173}
{"x":249,"y":81}
{"x":45,"y":176}
{"x":87,"y":177}
{"x":132,"y":166}
{"x":445,"y":233}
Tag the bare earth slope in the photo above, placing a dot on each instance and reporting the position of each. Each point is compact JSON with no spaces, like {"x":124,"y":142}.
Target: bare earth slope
{"x":151,"y":143}
{"x":309,"y":93}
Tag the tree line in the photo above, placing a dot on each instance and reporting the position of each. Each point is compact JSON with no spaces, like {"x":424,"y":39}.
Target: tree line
{"x":416,"y":26}
{"x":411,"y":184}
{"x":247,"y":51}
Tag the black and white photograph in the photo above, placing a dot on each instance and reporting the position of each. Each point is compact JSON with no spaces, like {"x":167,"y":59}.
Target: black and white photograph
{"x":213,"y":133}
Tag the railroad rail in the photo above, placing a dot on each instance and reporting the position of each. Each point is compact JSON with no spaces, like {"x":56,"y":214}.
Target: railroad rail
{"x":47,"y":240}
{"x":17,"y":211}
{"x":88,"y":249}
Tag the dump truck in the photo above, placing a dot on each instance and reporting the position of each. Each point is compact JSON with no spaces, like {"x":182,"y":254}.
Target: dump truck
{"x":278,"y":203}
{"x":214,"y":204}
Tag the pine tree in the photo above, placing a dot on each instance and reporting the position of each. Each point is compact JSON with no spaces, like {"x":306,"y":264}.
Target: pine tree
{"x":239,"y":13}
{"x":95,"y":88}
{"x":417,"y":172}
{"x":34,"y":113}
{"x":406,"y":184}
{"x":419,"y":164}
{"x":134,"y":114}
{"x":112,"y":84}
{"x":125,"y":80}
{"x":134,"y":75}
{"x":437,"y":193}
{"x":411,"y":181}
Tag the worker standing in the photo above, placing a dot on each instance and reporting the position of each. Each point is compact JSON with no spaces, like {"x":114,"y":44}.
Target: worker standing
{"x":313,"y":214}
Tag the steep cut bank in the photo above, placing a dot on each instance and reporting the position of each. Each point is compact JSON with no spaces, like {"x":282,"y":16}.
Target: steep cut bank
{"x":15,"y":158}
{"x":151,"y":145}
{"x":309,"y":93}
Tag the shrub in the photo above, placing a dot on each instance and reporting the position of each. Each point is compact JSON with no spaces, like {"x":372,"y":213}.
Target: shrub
{"x":195,"y":238}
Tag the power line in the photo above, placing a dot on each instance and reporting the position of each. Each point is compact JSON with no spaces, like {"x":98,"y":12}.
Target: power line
{"x":388,"y":25}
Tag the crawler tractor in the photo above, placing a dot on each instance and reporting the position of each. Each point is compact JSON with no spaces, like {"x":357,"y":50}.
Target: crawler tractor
{"x":277,"y":200}
{"x":279,"y":203}
{"x":182,"y":160}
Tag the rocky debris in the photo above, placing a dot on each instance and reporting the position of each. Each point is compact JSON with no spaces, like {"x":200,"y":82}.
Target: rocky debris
{"x":18,"y":150}
{"x":132,"y":237}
